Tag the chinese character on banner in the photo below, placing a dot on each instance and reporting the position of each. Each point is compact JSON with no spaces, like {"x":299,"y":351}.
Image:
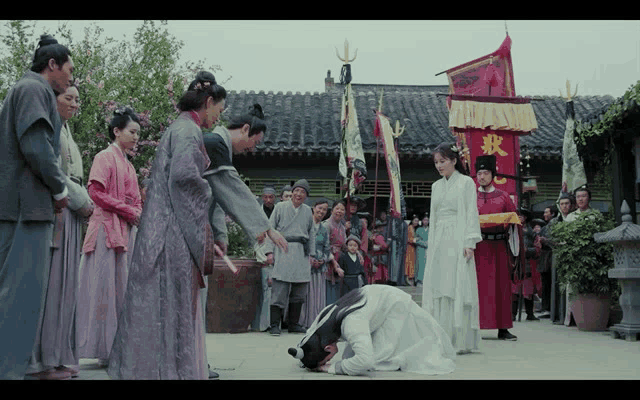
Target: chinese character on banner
{"x":505,"y":146}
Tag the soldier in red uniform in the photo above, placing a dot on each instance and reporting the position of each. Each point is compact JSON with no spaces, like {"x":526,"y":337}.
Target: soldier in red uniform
{"x":492,"y":254}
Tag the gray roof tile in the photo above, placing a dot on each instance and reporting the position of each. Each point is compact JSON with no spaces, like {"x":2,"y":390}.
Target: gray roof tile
{"x":311,"y":121}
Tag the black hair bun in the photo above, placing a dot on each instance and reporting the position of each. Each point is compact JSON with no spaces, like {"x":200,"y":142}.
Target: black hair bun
{"x":205,"y":76}
{"x":202,"y":80}
{"x":256,"y":111}
{"x":46,"y":39}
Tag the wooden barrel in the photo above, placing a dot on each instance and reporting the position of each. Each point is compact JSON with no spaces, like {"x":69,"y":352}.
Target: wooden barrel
{"x":232,"y":300}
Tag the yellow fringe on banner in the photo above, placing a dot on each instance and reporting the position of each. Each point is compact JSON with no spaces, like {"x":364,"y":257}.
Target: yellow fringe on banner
{"x":496,"y":116}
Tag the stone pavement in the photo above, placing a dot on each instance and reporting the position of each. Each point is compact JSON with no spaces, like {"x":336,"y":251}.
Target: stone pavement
{"x":542,"y":351}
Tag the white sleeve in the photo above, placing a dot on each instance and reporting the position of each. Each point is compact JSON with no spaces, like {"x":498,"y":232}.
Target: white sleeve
{"x":355,"y":331}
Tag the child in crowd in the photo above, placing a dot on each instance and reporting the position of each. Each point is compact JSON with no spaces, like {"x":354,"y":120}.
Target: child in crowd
{"x":354,"y":277}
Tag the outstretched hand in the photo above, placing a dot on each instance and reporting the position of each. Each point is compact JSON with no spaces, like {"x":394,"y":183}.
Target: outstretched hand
{"x":278,"y":239}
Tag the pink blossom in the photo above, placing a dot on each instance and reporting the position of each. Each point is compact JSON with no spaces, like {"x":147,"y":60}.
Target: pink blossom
{"x":101,"y":85}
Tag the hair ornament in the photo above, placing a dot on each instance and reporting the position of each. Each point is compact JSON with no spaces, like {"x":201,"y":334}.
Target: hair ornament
{"x":201,"y":85}
{"x":454,"y":148}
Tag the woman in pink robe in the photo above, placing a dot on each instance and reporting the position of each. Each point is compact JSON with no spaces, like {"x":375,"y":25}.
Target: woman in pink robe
{"x":113,"y":187}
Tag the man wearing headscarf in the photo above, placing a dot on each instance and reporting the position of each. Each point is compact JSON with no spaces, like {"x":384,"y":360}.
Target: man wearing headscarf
{"x":268,"y":200}
{"x":291,"y":272}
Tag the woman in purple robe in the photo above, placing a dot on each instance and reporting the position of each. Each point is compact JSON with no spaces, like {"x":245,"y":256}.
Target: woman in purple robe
{"x":161,"y":332}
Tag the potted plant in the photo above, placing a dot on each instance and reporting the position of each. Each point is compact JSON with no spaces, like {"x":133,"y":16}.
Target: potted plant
{"x":584,"y":264}
{"x":232,"y":299}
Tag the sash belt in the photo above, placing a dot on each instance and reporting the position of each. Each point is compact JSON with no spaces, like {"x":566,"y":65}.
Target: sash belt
{"x":498,"y":236}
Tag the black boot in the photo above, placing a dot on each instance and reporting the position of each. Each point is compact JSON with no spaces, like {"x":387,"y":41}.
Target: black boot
{"x":294,"y":318}
{"x":504,"y":334}
{"x":528,"y":306}
{"x":276,"y":315}
{"x":514,"y":310}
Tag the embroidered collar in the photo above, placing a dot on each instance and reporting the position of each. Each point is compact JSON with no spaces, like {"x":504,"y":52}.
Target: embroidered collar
{"x":195,"y":117}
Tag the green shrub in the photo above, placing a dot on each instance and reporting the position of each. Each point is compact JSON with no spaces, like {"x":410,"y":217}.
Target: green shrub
{"x":238,"y":245}
{"x":581,"y":261}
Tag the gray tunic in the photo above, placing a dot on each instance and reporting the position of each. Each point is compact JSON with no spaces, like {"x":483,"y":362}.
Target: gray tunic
{"x":229,"y":193}
{"x":30,"y":175}
{"x":292,"y":266}
{"x":30,"y":172}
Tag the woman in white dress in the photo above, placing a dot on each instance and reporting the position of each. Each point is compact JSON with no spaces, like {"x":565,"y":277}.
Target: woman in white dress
{"x":450,"y":291}
{"x":384,"y":330}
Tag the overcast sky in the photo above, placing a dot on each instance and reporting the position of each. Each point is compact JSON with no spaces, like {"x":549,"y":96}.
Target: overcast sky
{"x":602,"y":57}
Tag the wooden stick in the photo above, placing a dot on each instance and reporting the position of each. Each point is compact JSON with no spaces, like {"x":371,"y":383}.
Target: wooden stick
{"x":226,"y":259}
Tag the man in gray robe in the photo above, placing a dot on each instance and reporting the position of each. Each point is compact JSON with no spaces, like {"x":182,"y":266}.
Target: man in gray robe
{"x":292,"y":270}
{"x":558,"y":299}
{"x":231,"y":195}
{"x":32,"y":186}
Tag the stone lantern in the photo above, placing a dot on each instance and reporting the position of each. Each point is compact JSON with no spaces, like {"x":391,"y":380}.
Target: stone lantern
{"x":626,"y":254}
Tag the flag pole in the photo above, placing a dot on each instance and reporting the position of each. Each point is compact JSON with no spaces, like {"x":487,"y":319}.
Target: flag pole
{"x":347,"y":79}
{"x":375,"y":187}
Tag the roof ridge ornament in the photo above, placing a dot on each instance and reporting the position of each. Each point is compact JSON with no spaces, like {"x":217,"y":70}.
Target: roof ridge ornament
{"x":346,"y":59}
{"x":568,"y":98}
{"x":398,"y":131}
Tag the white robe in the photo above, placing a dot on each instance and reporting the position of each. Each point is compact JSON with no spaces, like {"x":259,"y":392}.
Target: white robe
{"x":391,"y":332}
{"x":450,"y":287}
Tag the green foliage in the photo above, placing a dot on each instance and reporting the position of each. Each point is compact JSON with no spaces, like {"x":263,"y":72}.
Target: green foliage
{"x":141,"y":72}
{"x":581,"y":262}
{"x":18,"y":53}
{"x":238,"y":245}
{"x":592,"y":138}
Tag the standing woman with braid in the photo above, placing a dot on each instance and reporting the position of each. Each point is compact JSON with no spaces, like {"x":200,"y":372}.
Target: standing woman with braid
{"x":161,"y":331}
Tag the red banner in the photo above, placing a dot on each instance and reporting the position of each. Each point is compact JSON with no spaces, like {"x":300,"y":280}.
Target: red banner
{"x":491,"y":75}
{"x":505,"y":145}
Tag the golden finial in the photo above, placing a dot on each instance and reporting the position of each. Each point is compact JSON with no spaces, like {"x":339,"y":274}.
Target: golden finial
{"x":398,"y":131}
{"x":568,"y":98}
{"x":346,"y":53}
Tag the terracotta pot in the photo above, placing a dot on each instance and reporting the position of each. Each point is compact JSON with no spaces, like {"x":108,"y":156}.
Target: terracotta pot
{"x":232,"y":300}
{"x":591,"y":312}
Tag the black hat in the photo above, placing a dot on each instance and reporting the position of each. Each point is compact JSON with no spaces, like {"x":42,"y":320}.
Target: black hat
{"x":358,"y":201}
{"x":486,"y":162}
{"x":524,"y":212}
{"x":538,"y":221}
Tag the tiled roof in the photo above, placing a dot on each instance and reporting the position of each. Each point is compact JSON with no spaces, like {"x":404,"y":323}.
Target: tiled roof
{"x":551,"y":118}
{"x":310,"y":122}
